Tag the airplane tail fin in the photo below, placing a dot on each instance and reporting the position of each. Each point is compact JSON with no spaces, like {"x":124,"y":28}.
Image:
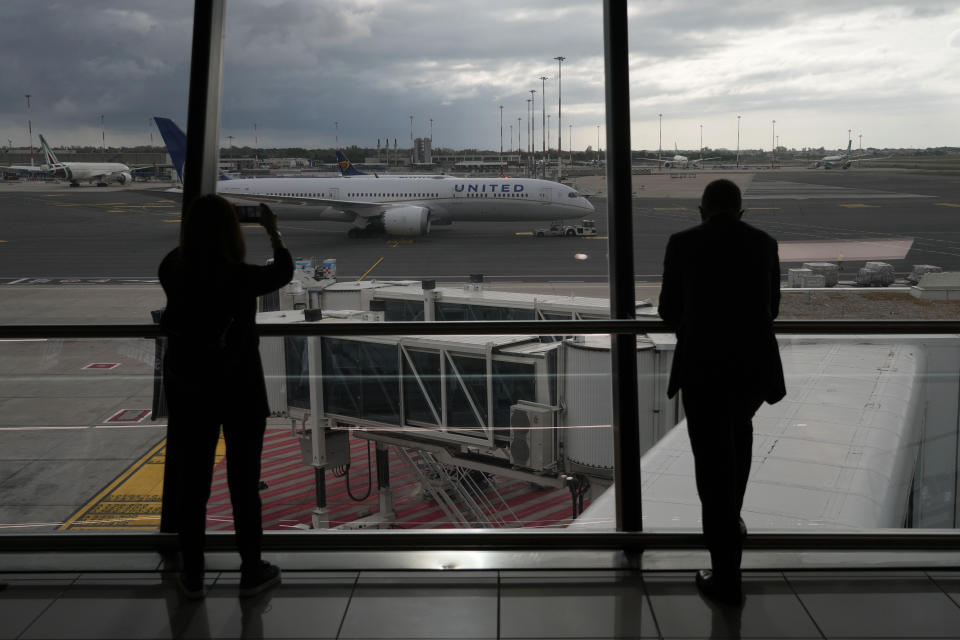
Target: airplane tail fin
{"x":176,"y":141}
{"x":346,"y":168}
{"x":849,"y":144}
{"x":51,"y":159}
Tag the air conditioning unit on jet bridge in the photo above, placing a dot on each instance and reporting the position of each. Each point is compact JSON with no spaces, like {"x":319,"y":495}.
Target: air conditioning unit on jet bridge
{"x":532,"y":436}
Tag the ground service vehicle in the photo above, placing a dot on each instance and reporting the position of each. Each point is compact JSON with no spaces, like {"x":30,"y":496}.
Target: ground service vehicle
{"x":557,"y":228}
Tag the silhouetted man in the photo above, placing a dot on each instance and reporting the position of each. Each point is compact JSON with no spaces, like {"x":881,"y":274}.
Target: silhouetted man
{"x":721,"y":292}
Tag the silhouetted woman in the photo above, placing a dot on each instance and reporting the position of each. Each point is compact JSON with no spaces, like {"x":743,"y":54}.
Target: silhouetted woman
{"x":213,"y":378}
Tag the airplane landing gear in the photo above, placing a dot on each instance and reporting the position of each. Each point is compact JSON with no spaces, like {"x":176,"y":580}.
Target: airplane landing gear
{"x":370,"y":231}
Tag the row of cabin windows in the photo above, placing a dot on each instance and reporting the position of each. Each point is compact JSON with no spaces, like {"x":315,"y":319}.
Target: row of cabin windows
{"x":353,"y":195}
{"x":496,"y":195}
{"x":394,"y":195}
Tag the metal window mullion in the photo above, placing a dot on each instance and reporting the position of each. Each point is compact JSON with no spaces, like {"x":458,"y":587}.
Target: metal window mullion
{"x":203,"y":109}
{"x":200,"y":171}
{"x":444,"y":414}
{"x":623,"y":347}
{"x":488,"y":360}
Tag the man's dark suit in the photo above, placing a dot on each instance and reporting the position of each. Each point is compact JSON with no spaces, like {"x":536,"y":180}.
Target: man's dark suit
{"x":721,"y":292}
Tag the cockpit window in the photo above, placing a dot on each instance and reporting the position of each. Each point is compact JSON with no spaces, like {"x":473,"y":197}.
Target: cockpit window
{"x":573,"y":194}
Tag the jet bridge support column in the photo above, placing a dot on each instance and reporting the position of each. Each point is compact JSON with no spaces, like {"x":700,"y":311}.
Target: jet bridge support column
{"x":384,"y":496}
{"x":321,"y":516}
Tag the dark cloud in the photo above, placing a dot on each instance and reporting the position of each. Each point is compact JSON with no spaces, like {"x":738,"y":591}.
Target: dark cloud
{"x":296,"y":67}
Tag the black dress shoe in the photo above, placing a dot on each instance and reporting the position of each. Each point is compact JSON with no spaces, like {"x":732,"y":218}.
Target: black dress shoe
{"x":730,"y":593}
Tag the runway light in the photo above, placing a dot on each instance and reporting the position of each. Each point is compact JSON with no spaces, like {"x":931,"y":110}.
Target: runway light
{"x":580,"y":256}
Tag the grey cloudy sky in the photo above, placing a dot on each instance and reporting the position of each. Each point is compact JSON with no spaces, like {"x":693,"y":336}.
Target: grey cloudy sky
{"x":884,"y":69}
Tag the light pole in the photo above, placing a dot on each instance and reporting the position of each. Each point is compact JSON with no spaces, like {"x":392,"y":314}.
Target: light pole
{"x":431,"y":133}
{"x":528,"y":125}
{"x":533,"y":130}
{"x":501,"y":140}
{"x":510,"y":148}
{"x":570,"y":144}
{"x":598,"y":145}
{"x":738,"y":142}
{"x":519,"y":153}
{"x":548,"y":131}
{"x":773,"y":144}
{"x":861,"y":141}
{"x":701,"y":146}
{"x":411,"y":140}
{"x":660,"y":141}
{"x":103,"y":136}
{"x":336,"y":134}
{"x":543,"y":124}
{"x":559,"y":60}
{"x":29,"y":128}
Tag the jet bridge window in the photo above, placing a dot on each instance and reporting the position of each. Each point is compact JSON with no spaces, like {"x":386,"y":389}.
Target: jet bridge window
{"x":467,"y":393}
{"x":422,"y":387}
{"x":298,"y":371}
{"x":449,"y":311}
{"x":360,"y":379}
{"x":403,"y":310}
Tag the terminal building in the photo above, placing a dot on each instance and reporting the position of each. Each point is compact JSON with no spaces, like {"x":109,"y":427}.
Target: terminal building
{"x":472,"y":463}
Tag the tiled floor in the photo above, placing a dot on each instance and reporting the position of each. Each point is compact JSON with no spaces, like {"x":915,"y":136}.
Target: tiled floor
{"x":590,"y":604}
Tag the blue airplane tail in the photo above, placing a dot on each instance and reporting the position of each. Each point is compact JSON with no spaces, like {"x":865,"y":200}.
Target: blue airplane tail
{"x":176,"y":141}
{"x":346,"y":168}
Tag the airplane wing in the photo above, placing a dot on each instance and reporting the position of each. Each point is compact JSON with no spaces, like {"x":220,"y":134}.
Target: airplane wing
{"x":362,"y":209}
{"x":24,"y":168}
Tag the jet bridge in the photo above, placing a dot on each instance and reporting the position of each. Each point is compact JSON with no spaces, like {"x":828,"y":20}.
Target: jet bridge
{"x":522,"y":407}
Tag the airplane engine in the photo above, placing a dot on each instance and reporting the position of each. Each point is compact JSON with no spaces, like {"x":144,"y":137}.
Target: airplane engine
{"x":407,"y":221}
{"x":124,"y":178}
{"x":667,"y":164}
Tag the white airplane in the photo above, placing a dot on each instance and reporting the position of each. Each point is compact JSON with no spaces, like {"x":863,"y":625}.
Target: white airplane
{"x":678,"y":161}
{"x":99,"y":172}
{"x":401,"y":205}
{"x":843,"y":160}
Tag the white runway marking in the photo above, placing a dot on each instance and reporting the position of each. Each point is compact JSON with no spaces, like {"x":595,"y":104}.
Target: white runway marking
{"x":784,"y":190}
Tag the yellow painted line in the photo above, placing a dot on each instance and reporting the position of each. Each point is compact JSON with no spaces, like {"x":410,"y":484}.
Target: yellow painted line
{"x":55,"y":195}
{"x":116,"y":210}
{"x":177,"y":220}
{"x":763,"y":208}
{"x":246,"y":226}
{"x":859,"y":206}
{"x":595,"y":238}
{"x":374,"y":266}
{"x":524,"y":233}
{"x":946,"y":204}
{"x":133,"y":500}
{"x":670,"y":209}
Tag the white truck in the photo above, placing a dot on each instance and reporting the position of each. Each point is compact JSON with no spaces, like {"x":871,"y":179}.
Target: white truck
{"x":558,"y":228}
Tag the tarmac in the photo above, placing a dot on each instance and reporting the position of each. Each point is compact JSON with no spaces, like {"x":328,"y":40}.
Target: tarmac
{"x":72,"y":412}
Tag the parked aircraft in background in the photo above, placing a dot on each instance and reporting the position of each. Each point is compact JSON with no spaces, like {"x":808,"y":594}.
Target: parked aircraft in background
{"x":346,"y":167}
{"x":844,"y":160}
{"x":399,"y":205}
{"x":99,"y":172}
{"x":678,"y":161}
